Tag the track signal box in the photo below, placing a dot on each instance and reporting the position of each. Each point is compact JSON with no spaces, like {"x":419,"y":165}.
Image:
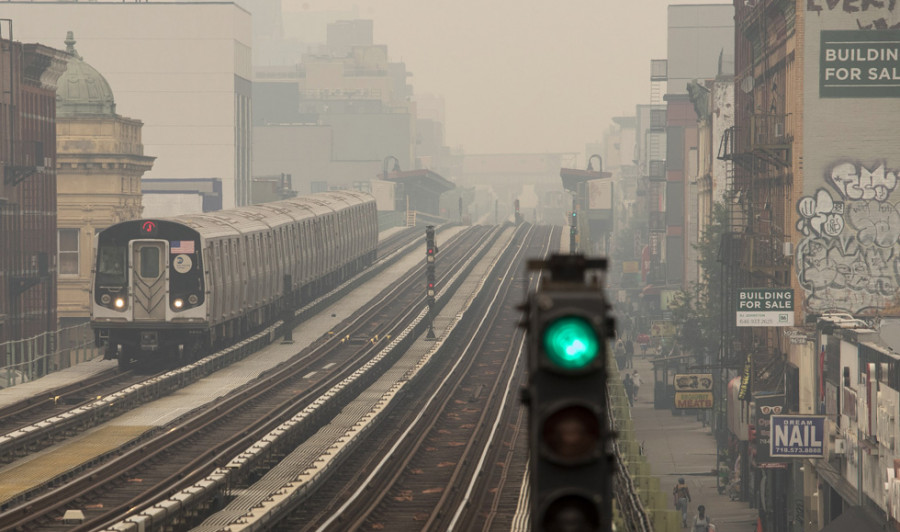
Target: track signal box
{"x":430,"y":247}
{"x":569,"y":430}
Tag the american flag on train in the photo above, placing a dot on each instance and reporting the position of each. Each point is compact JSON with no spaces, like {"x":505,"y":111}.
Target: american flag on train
{"x":181,"y":246}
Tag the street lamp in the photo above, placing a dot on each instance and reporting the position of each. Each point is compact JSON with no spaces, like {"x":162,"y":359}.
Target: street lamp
{"x":384,"y":172}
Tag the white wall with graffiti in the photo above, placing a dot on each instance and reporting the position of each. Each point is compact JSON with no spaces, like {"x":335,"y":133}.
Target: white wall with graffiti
{"x":847,"y":219}
{"x":849,"y":256}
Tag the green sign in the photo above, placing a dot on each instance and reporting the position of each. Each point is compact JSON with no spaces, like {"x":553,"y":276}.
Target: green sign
{"x":859,"y":64}
{"x":765,"y":307}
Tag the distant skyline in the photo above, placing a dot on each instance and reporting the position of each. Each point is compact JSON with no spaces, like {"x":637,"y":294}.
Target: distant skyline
{"x":526,"y":76}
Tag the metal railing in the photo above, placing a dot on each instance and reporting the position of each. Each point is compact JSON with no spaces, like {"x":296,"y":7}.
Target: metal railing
{"x":31,"y":358}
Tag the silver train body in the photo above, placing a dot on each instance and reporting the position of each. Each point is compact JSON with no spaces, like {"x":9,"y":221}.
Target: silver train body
{"x":182,"y":286}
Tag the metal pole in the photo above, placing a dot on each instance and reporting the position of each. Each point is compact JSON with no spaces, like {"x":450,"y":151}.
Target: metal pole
{"x":288,"y":313}
{"x":30,"y":348}
{"x":430,"y":334}
{"x":8,"y":363}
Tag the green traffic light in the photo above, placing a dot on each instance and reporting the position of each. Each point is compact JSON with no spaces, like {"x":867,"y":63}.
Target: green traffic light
{"x":571,"y":343}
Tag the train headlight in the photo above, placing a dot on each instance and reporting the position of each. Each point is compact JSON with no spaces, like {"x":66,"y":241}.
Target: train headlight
{"x":178,"y":303}
{"x":105,"y":299}
{"x":120,"y":302}
{"x":193,"y":299}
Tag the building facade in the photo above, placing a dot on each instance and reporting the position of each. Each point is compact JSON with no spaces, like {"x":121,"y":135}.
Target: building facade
{"x":698,"y":37}
{"x":762,"y":167}
{"x":348,"y":100}
{"x":100,"y":161}
{"x":185,"y":68}
{"x":28,"y":267}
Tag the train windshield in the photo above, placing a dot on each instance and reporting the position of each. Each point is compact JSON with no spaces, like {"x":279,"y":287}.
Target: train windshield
{"x":111,"y":265}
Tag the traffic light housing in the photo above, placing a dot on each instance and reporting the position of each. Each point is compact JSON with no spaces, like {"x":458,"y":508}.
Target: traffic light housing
{"x":430,"y":284}
{"x":569,"y":434}
{"x":430,"y":247}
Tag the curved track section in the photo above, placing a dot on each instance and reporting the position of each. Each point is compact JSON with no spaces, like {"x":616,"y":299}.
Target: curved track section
{"x":188,"y":433}
{"x":457,"y":459}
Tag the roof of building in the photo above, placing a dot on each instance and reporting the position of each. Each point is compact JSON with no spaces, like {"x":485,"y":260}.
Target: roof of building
{"x":571,"y":177}
{"x":432,"y":181}
{"x":82,"y":90}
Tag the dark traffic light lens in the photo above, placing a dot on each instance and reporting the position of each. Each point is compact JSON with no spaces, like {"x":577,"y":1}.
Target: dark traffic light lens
{"x":571,"y":343}
{"x":571,"y":513}
{"x":572,"y":435}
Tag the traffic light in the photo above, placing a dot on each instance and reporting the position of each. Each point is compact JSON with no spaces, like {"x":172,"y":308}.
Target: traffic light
{"x":430,"y":247}
{"x":569,"y":434}
{"x":430,"y":284}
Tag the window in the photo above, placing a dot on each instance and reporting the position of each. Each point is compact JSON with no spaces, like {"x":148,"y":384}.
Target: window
{"x":111,"y":265}
{"x":68,"y":251}
{"x":149,"y":263}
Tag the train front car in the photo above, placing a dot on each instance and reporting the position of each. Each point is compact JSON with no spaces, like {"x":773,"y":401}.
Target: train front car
{"x":148,"y":294}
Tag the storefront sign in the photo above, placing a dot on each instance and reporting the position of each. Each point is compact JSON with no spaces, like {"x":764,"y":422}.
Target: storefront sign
{"x":744,"y":392}
{"x":693,"y":399}
{"x":662,"y":328}
{"x":859,"y":64}
{"x":796,"y":436}
{"x":693,"y":382}
{"x":693,"y":390}
{"x":765,"y":307}
{"x":764,"y":407}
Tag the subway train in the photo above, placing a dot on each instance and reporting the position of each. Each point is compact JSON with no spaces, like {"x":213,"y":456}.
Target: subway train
{"x":178,"y":288}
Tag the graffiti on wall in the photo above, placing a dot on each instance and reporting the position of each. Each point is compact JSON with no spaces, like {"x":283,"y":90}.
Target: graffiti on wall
{"x":869,"y":14}
{"x":849,"y":258}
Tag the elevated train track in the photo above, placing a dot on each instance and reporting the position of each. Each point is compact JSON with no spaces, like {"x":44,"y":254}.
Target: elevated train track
{"x":472,"y":487}
{"x":187,"y":432}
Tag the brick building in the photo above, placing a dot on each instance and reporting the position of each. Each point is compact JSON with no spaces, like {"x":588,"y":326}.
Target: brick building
{"x":28,"y":75}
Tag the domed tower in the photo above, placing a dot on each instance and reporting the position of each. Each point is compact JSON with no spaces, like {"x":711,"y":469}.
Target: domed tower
{"x":100,"y":161}
{"x":82,"y":90}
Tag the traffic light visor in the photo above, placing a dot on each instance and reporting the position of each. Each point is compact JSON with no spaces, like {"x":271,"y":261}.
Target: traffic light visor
{"x":571,"y":343}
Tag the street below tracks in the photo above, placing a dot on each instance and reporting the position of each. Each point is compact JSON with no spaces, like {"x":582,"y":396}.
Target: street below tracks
{"x":680,"y":446}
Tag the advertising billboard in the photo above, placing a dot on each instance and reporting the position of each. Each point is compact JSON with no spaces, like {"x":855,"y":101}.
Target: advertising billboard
{"x":765,"y":307}
{"x":797,"y":436}
{"x":693,"y":390}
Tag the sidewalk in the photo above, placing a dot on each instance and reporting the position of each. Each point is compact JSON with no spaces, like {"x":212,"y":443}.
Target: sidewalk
{"x":681,"y":447}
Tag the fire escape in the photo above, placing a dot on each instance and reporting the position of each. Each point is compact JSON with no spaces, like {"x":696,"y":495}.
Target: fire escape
{"x":757,"y":252}
{"x":656,"y":172}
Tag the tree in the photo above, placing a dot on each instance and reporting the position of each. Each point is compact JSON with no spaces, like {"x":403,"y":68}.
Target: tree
{"x":698,"y":312}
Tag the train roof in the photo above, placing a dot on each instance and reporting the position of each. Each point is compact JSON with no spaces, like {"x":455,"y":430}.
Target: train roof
{"x":253,"y":218}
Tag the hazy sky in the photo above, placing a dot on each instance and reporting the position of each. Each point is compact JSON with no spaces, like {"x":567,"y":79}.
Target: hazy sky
{"x":526,"y":75}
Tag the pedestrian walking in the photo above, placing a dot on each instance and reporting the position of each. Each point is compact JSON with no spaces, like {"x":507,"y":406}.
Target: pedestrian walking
{"x":701,"y":520}
{"x":682,"y":496}
{"x":636,"y":379}
{"x":619,"y":351}
{"x":629,"y":388}
{"x":629,"y":353}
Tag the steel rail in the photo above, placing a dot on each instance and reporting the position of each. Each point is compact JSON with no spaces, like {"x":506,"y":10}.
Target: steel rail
{"x":200,"y":467}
